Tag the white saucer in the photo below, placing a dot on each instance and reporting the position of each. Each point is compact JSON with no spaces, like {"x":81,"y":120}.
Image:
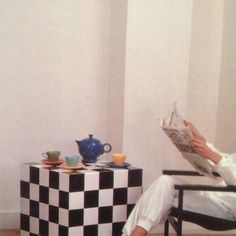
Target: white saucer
{"x":78,"y":167}
{"x":113,"y":165}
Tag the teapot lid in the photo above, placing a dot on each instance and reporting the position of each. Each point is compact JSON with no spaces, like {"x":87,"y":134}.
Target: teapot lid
{"x":91,"y":138}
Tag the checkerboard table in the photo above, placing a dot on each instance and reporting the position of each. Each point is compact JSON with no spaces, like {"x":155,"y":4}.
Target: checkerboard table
{"x":93,"y":201}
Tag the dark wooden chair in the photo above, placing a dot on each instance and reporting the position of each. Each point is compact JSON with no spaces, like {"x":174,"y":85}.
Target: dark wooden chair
{"x":178,"y":215}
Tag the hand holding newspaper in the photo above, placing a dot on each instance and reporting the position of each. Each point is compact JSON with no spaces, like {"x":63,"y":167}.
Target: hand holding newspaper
{"x":181,"y":135}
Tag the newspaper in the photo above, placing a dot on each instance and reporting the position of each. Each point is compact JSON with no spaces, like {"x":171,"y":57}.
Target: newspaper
{"x":174,"y":127}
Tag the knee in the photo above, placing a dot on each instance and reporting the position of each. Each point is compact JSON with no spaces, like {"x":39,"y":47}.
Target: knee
{"x":165,"y":180}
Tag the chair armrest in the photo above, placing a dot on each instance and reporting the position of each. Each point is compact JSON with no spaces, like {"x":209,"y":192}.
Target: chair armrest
{"x":185,"y":173}
{"x":180,"y":172}
{"x":198,"y":187}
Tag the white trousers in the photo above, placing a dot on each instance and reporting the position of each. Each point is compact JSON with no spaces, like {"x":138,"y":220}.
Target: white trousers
{"x":153,"y":206}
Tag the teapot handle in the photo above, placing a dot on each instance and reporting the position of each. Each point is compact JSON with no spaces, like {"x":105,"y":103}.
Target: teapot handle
{"x":106,"y":150}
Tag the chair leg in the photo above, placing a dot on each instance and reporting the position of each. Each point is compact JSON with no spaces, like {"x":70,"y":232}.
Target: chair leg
{"x":180,"y":212}
{"x":179,"y":228}
{"x":166,"y":229}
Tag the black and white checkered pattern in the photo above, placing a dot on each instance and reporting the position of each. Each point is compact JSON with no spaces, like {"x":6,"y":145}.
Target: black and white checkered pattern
{"x":90,"y":202}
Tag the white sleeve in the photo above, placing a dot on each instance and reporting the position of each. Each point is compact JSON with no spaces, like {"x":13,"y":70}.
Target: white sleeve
{"x":226,"y":166}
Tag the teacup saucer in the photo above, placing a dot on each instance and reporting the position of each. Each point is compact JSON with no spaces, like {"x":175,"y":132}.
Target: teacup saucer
{"x":66,"y":167}
{"x":52,"y":163}
{"x":113,"y":165}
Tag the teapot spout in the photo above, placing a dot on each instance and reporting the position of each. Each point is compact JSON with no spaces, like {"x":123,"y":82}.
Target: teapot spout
{"x":78,"y":142}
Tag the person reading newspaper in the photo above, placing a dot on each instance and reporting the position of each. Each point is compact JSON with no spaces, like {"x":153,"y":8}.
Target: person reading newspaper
{"x":182,"y":137}
{"x":154,"y":204}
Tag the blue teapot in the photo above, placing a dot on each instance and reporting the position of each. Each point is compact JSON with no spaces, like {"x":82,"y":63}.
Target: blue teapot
{"x":91,"y":148}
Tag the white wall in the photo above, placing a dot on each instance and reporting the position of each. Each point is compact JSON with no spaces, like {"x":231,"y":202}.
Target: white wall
{"x":54,"y":75}
{"x":118,"y":19}
{"x":204,"y":65}
{"x":226,"y":125}
{"x":157,"y":60}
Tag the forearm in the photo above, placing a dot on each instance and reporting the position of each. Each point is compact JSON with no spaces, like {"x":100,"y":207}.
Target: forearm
{"x":214,"y":157}
{"x":207,"y":151}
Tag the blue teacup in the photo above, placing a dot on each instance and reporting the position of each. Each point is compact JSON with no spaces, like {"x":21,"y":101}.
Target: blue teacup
{"x":73,"y":160}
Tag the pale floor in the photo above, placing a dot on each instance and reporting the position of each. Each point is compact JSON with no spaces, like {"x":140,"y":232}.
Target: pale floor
{"x":17,"y":233}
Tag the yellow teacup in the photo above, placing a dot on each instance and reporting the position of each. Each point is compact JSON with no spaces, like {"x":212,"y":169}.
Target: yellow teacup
{"x":118,"y":158}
